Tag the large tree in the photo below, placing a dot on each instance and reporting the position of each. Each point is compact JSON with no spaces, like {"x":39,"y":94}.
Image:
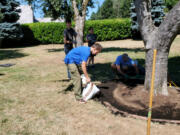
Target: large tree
{"x":80,"y":7}
{"x":159,"y":38}
{"x":9,"y":28}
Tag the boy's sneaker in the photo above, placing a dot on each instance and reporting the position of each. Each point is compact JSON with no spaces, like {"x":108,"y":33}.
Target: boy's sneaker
{"x":82,"y":101}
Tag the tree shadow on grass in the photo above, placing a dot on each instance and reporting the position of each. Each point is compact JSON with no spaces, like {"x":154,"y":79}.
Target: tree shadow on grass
{"x":11,"y":54}
{"x":102,"y":72}
{"x":118,"y":49}
{"x":174,"y":69}
{"x":1,"y":74}
{"x":55,"y":50}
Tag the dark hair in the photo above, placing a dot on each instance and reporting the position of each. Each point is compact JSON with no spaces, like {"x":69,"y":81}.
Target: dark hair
{"x":68,"y":20}
{"x":90,"y":28}
{"x":97,"y":46}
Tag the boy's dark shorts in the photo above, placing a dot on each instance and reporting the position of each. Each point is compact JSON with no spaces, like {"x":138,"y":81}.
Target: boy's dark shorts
{"x":67,"y":48}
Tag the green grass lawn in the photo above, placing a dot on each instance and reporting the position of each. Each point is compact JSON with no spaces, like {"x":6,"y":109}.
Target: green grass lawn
{"x":30,"y":102}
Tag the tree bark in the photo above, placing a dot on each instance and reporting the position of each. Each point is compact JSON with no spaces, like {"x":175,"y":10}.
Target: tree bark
{"x":79,"y":20}
{"x":160,"y":82}
{"x":159,"y":38}
{"x":79,"y":28}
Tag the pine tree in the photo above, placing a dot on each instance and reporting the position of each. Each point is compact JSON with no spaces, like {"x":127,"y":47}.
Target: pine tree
{"x":157,"y":11}
{"x":157,"y":14}
{"x":134,"y":25}
{"x":9,"y":28}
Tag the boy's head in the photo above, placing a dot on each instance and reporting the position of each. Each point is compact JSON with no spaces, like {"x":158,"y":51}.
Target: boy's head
{"x":125,"y":57}
{"x":91,"y":30}
{"x":68,"y":23}
{"x":96,"y":48}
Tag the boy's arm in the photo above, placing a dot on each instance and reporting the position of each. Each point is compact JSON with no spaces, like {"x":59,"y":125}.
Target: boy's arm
{"x":87,"y":38}
{"x":83,"y":65}
{"x":136,"y":68}
{"x":119,"y":70}
{"x":65,"y":39}
{"x":75,"y":35}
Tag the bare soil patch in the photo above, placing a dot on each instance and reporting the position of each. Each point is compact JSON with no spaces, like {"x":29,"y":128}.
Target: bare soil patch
{"x":135,"y":100}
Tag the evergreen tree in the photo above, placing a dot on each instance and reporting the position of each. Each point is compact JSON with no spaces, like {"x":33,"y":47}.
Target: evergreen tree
{"x":134,"y":24}
{"x":157,"y":14}
{"x":9,"y":28}
{"x":157,"y":11}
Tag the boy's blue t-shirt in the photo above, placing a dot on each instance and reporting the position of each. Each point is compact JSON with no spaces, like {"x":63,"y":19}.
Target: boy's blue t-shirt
{"x":119,"y":61}
{"x":78,"y":55}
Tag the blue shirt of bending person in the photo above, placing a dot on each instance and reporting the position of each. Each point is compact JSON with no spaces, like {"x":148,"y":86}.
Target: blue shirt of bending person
{"x":78,"y":55}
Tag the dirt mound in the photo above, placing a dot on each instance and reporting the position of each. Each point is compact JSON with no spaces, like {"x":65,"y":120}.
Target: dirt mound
{"x":135,"y":100}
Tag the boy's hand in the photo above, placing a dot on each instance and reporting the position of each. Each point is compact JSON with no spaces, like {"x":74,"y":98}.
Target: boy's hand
{"x":88,"y":79}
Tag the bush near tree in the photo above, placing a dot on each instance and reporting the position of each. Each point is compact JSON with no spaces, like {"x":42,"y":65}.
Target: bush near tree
{"x":52,"y":33}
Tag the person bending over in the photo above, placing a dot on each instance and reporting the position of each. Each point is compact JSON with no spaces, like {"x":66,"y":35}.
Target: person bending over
{"x":125,"y":66}
{"x":76,"y":61}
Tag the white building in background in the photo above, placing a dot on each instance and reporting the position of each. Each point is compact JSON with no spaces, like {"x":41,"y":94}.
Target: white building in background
{"x":48,"y":19}
{"x":27,"y":16}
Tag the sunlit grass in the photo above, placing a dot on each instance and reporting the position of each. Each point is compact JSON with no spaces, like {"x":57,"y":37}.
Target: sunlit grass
{"x":30,"y":102}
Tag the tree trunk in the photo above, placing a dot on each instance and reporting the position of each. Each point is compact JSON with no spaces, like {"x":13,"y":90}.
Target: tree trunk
{"x":160,"y":82}
{"x":79,"y":20}
{"x":159,"y":38}
{"x":79,"y":28}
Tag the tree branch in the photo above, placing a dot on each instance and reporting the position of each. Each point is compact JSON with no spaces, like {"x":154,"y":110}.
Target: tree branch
{"x":170,"y":27}
{"x":76,"y":11}
{"x":84,"y":7}
{"x":144,"y":18}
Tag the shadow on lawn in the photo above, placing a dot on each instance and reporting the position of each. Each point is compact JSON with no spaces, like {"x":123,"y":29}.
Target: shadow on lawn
{"x":118,"y":49}
{"x":102,"y":72}
{"x":174,"y":69}
{"x":55,"y":50}
{"x":11,"y":54}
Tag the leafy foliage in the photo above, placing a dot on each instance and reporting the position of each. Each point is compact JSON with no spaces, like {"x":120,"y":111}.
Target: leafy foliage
{"x":46,"y":33}
{"x":57,"y":8}
{"x":113,"y":9}
{"x":170,"y":4}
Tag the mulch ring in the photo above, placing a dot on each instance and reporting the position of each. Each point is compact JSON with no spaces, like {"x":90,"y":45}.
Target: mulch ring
{"x":133,"y":100}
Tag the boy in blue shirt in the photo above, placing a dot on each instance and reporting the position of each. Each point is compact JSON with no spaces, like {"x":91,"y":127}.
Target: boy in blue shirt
{"x":76,"y":61}
{"x":125,"y":66}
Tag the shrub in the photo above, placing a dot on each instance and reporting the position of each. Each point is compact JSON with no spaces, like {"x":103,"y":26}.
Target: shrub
{"x":52,"y":33}
{"x":44,"y":33}
{"x":111,"y":29}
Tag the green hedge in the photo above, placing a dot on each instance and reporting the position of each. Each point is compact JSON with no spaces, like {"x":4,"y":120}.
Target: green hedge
{"x":111,"y":29}
{"x":52,"y":33}
{"x":43,"y":33}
